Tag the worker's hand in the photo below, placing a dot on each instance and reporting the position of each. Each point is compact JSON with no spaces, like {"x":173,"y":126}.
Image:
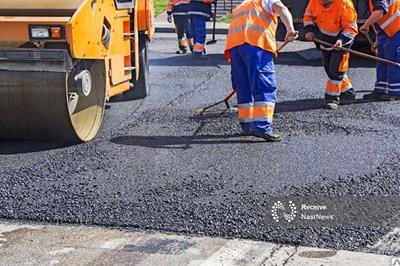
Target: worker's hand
{"x":338,"y":44}
{"x":310,"y":36}
{"x":364,"y":28}
{"x":169,"y":18}
{"x":291,"y":36}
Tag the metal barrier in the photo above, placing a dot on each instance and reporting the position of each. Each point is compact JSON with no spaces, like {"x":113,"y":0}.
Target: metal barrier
{"x":228,"y":5}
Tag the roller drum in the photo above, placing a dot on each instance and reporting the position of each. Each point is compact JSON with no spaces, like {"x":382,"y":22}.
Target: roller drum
{"x":40,"y":105}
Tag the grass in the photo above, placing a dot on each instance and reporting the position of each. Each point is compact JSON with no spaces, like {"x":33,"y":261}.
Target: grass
{"x":226,"y":19}
{"x":160,"y":6}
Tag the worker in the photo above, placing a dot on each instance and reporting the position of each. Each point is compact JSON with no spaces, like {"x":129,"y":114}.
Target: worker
{"x":200,"y":13}
{"x":385,"y":18}
{"x":333,"y":21}
{"x":179,"y":9}
{"x":250,"y":48}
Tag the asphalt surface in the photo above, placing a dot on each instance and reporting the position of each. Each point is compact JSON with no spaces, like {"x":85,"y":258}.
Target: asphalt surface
{"x":158,"y":165}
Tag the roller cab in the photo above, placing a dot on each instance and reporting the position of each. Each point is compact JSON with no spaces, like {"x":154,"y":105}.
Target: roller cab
{"x":61,"y":60}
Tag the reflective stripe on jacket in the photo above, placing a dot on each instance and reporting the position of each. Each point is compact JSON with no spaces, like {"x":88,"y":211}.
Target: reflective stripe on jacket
{"x":390,"y":23}
{"x":201,"y":7}
{"x":337,"y":20}
{"x":253,"y":25}
{"x":178,"y":7}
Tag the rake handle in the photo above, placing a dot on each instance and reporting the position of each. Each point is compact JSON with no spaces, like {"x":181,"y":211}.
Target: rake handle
{"x":281,"y":47}
{"x":371,"y":42}
{"x":371,"y":57}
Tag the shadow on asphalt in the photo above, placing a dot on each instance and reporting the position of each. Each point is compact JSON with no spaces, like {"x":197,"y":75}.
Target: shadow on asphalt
{"x":186,"y":142}
{"x":11,"y":147}
{"x":188,"y":60}
{"x":295,"y":59}
{"x":310,"y":104}
{"x":181,"y":142}
{"x":120,"y":98}
{"x":281,"y":107}
{"x":285,"y":58}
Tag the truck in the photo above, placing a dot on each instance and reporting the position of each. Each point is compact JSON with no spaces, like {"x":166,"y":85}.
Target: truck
{"x":62,"y":60}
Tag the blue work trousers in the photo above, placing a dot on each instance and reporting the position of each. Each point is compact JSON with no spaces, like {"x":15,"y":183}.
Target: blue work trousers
{"x":253,"y":78}
{"x":199,"y":32}
{"x":183,"y":28}
{"x":388,"y":76}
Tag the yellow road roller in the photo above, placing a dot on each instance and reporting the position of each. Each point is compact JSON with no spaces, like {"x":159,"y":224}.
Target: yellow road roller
{"x":61,"y":60}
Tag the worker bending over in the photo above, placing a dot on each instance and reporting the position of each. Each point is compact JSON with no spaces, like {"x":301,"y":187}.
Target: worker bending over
{"x":200,"y":13}
{"x":251,"y":47}
{"x":180,"y":10}
{"x":333,"y":21}
{"x":385,"y":18}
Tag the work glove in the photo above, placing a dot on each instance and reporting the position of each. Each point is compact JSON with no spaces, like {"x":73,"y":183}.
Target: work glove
{"x":169,"y":18}
{"x":310,"y":36}
{"x":338,"y":44}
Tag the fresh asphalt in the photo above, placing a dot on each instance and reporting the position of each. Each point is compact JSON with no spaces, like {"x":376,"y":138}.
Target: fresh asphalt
{"x":158,"y":165}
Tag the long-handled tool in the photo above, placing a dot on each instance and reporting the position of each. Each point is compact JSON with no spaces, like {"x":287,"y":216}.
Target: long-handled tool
{"x":233,"y":92}
{"x":214,"y":41}
{"x":371,"y":57}
{"x":371,"y":42}
{"x":225,"y":101}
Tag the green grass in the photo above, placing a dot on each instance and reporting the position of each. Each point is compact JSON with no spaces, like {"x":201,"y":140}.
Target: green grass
{"x":226,"y":19}
{"x":160,"y":6}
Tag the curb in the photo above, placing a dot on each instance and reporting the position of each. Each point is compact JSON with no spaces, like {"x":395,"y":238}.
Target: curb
{"x":111,"y":245}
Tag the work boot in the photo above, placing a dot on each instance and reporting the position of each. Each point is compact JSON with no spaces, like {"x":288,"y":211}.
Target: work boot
{"x":269,"y":137}
{"x":191,"y":44}
{"x":373,"y":96}
{"x":331,"y":105}
{"x":348,"y":95}
{"x":182,"y":50}
{"x":332,"y":101}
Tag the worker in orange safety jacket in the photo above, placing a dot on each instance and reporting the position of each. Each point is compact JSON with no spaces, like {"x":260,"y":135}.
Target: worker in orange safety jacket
{"x":250,"y":48}
{"x":385,"y":18}
{"x":179,"y":9}
{"x":333,"y":21}
{"x":200,"y":12}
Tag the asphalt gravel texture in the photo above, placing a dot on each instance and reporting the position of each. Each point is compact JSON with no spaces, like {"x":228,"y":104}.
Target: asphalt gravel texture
{"x":157,"y":164}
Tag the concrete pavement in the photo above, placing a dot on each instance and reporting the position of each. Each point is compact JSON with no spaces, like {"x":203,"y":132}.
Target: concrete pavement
{"x":42,"y":244}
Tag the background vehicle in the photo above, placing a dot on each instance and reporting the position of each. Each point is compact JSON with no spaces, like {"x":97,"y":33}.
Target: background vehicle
{"x":61,"y":60}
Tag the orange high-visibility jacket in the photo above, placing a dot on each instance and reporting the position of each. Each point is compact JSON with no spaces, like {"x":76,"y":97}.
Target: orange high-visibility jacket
{"x":253,"y":25}
{"x":390,"y":23}
{"x":338,"y":20}
{"x":178,"y":7}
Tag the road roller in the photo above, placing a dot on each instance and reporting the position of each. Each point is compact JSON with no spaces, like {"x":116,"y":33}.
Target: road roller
{"x":62,"y":60}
